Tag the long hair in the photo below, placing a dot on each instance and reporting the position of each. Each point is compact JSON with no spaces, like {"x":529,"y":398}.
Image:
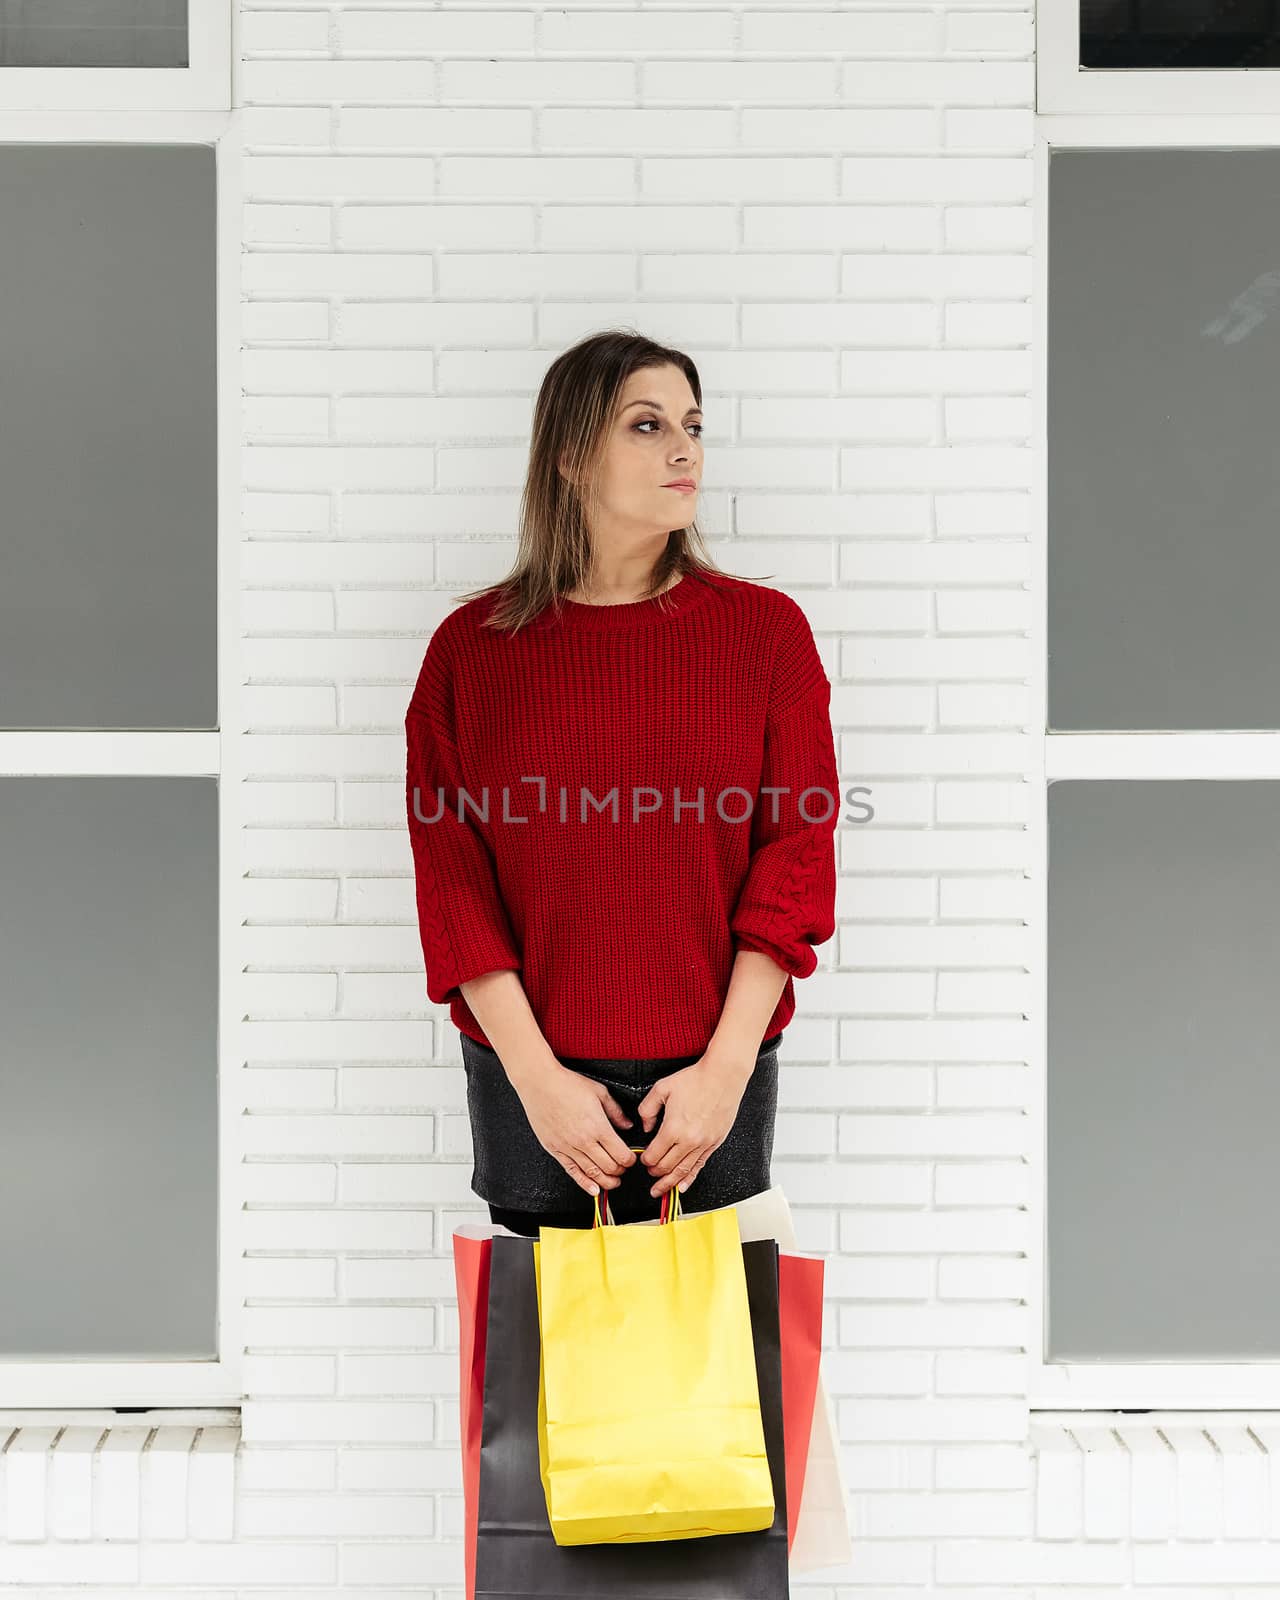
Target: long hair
{"x":571,"y":420}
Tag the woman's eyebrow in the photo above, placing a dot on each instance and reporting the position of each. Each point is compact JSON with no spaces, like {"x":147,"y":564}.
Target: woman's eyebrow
{"x":653,"y":405}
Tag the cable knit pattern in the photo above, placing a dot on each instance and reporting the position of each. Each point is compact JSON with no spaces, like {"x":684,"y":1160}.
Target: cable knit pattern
{"x":596,"y":810}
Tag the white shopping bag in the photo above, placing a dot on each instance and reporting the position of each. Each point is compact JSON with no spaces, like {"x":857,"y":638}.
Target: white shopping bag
{"x":822,"y":1528}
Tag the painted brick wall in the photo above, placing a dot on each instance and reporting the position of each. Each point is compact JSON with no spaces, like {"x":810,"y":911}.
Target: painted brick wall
{"x":829,"y":207}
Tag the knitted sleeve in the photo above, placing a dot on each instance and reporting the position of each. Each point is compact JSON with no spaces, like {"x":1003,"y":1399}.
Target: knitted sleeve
{"x":787,"y":903}
{"x":462,"y":920}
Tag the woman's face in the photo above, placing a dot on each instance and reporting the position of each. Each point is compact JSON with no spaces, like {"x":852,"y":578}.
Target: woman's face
{"x":655,"y":439}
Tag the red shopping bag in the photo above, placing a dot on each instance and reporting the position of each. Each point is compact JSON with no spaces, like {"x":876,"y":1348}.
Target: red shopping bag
{"x":800,"y":1282}
{"x":471,"y":1259}
{"x":800,"y":1304}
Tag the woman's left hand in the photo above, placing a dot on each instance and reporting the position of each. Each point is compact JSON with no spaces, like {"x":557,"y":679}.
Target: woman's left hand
{"x":701,"y":1103}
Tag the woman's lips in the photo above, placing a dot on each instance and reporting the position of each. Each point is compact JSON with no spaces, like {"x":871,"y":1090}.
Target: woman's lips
{"x":681,"y":488}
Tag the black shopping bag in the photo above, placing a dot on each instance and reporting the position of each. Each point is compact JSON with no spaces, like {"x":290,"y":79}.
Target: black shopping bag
{"x":517,"y":1557}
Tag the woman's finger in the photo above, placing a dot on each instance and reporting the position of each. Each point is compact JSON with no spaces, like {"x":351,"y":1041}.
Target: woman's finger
{"x":660,"y":1148}
{"x":684,"y":1172}
{"x":698,"y":1159}
{"x":581,"y":1178}
{"x":680,"y":1151}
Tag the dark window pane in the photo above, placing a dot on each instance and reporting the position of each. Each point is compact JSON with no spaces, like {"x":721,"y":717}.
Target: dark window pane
{"x":108,"y":437}
{"x":93,"y":33}
{"x":1179,"y":34}
{"x":109,"y":1138}
{"x":1163,"y":392}
{"x":1163,"y":1094}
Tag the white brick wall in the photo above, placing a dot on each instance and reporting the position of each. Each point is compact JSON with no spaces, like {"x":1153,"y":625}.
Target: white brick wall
{"x":829,"y":207}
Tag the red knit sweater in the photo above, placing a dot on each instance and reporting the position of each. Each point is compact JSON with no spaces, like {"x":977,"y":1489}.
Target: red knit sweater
{"x":552,"y":786}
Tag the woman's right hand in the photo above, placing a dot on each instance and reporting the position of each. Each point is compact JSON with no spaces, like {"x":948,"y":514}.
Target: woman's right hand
{"x":573,"y":1118}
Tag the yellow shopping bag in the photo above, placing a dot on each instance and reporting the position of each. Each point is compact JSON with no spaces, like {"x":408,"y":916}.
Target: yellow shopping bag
{"x":648,"y":1408}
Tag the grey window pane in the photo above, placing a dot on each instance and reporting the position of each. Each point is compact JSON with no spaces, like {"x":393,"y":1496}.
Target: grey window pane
{"x":1179,"y":34}
{"x":108,"y":437}
{"x":93,"y":33}
{"x":1164,"y":387}
{"x":108,"y":1141}
{"x":1163,"y":1093}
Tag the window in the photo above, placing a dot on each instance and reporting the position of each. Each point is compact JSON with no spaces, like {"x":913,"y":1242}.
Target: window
{"x":126,"y":55}
{"x":117,"y":850}
{"x":1161,"y":918}
{"x":1187,"y":57}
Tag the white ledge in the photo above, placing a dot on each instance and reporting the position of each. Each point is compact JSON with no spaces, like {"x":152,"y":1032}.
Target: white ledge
{"x":1158,"y":1475}
{"x":78,"y":1476}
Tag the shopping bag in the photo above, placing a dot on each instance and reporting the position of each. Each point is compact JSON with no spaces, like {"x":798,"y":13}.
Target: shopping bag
{"x":517,"y":1556}
{"x":821,"y":1535}
{"x":471,"y":1255}
{"x":822,"y":1525}
{"x":800,"y":1280}
{"x":677,"y":1452}
{"x":818,"y":1529}
{"x":800,"y":1288}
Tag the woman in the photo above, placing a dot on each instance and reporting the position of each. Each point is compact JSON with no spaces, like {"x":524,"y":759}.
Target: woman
{"x":622,"y":797}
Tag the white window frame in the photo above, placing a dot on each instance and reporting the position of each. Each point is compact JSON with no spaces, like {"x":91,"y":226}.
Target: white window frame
{"x":203,"y":85}
{"x":1064,"y":87}
{"x":217,"y":753}
{"x":1096,"y":1385}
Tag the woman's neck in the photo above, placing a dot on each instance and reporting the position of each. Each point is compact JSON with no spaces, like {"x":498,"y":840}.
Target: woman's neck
{"x":616,"y":597}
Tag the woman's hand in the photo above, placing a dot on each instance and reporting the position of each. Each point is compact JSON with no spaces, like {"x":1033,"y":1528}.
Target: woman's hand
{"x":573,"y":1120}
{"x":701,"y":1103}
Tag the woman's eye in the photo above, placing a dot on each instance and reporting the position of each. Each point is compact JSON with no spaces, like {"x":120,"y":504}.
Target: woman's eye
{"x":652,"y":422}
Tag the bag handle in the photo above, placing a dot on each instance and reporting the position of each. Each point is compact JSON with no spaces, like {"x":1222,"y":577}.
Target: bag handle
{"x":601,"y":1202}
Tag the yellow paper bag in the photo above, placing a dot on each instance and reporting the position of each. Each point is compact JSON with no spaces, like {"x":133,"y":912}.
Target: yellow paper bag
{"x":649,"y":1411}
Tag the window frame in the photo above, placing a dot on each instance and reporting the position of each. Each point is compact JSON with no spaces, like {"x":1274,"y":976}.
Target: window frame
{"x":203,"y":85}
{"x":1191,"y":754}
{"x":1064,"y":87}
{"x":216,"y":753}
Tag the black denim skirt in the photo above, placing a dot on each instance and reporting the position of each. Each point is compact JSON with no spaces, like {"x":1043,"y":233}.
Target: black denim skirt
{"x":514,"y":1172}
